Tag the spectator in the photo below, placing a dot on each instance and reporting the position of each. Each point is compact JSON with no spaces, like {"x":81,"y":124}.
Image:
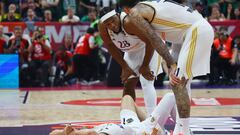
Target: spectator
{"x":68,"y":43}
{"x":236,"y":14}
{"x":82,"y":54}
{"x":226,"y":50}
{"x":70,"y":17}
{"x":1,"y":7}
{"x":7,"y":3}
{"x":69,"y":3}
{"x":31,"y":16}
{"x":223,"y":6}
{"x":11,"y":16}
{"x":17,"y":42}
{"x":63,"y":63}
{"x":19,"y":45}
{"x":93,"y":20}
{"x":230,"y":12}
{"x":41,"y":32}
{"x":212,"y":2}
{"x":85,"y":6}
{"x":47,"y":16}
{"x":40,"y":59}
{"x":200,"y":8}
{"x":215,"y":14}
{"x":106,"y":3}
{"x":53,"y":6}
{"x":31,"y":4}
{"x":90,"y":17}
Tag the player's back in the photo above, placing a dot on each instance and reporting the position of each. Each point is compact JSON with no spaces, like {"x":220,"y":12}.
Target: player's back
{"x":171,"y":19}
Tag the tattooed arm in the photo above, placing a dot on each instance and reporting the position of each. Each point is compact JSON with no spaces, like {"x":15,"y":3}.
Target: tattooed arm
{"x":143,"y":29}
{"x":144,"y":69}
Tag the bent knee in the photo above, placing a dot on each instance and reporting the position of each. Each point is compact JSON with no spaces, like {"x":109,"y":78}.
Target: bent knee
{"x":127,"y":98}
{"x":144,"y":82}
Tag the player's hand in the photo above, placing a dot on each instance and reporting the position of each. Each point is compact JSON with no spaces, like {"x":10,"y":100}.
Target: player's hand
{"x":146,"y":73}
{"x":173,"y":79}
{"x":126,"y":73}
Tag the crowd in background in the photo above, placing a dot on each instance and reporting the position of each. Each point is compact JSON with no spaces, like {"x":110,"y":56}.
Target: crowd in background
{"x":86,"y":60}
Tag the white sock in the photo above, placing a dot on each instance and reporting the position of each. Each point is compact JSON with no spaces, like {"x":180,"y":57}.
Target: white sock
{"x":163,"y":109}
{"x":181,"y":126}
{"x":185,"y":123}
{"x":149,"y":94}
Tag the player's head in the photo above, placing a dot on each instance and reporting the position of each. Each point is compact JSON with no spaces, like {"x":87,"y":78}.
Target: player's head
{"x":126,"y":5}
{"x":110,"y":19}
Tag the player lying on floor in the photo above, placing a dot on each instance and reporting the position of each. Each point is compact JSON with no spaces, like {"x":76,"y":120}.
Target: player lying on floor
{"x":133,"y":120}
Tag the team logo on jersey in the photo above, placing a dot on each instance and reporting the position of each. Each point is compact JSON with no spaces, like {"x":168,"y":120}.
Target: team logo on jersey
{"x":130,"y":120}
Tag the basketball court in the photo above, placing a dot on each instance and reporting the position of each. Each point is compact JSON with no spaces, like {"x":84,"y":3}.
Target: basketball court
{"x":37,"y":111}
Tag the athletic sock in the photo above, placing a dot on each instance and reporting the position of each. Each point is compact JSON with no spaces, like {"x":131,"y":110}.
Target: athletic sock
{"x":149,"y":94}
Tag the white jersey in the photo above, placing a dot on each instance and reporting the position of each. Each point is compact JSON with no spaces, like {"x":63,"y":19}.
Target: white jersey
{"x":172,"y":20}
{"x":124,"y":41}
{"x":114,"y":129}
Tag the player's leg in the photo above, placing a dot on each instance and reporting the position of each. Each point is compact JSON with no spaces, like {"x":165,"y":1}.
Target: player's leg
{"x":155,"y":123}
{"x":128,"y":103}
{"x":149,"y":91}
{"x":180,"y":91}
{"x":129,"y":87}
{"x":128,"y":113}
{"x":149,"y":94}
{"x":164,"y":108}
{"x":194,"y":60}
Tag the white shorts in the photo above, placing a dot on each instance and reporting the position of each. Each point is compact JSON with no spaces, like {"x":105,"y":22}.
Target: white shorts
{"x":194,"y":57}
{"x":130,"y":119}
{"x":135,"y":59}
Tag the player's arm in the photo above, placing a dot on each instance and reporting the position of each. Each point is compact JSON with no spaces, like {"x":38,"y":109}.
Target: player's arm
{"x":113,"y":50}
{"x":143,"y":29}
{"x":129,"y":28}
{"x":144,"y":69}
{"x":116,"y":54}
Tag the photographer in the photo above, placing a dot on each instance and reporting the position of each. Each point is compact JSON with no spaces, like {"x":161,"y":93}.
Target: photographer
{"x":63,"y":59}
{"x":39,"y":58}
{"x":18,"y":45}
{"x":226,"y":51}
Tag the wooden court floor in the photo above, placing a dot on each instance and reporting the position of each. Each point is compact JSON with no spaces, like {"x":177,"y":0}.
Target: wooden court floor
{"x":44,"y":107}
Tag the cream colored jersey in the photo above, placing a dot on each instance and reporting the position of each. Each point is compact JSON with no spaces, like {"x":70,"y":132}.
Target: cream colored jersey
{"x":172,"y":20}
{"x":124,"y":41}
